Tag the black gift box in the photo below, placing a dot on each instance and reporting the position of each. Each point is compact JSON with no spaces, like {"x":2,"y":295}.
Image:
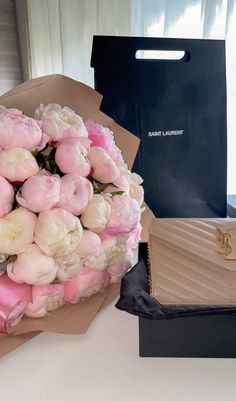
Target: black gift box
{"x":204,"y":336}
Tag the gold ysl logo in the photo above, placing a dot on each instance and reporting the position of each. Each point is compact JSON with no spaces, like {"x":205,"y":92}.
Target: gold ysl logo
{"x":224,"y":239}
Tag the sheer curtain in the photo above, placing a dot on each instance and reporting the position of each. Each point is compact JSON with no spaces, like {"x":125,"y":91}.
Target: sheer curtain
{"x":61,"y":31}
{"x":10,"y":68}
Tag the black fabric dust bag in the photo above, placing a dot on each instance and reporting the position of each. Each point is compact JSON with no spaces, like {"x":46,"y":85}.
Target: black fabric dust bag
{"x":178,"y":110}
{"x":136,"y":299}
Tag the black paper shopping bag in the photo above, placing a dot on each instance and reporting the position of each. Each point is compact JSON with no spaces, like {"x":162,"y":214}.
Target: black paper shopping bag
{"x":178,"y":110}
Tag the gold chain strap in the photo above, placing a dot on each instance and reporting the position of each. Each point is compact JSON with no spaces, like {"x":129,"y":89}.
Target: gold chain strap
{"x":149,"y":267}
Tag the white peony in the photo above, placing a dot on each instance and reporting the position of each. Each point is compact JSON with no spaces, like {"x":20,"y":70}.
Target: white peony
{"x":68,"y":266}
{"x":33,"y":267}
{"x":60,"y":122}
{"x":16,"y":230}
{"x":97,"y":213}
{"x":57,"y":232}
{"x":17,"y":164}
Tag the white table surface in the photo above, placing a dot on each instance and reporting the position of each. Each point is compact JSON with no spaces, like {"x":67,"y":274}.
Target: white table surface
{"x":103,"y":365}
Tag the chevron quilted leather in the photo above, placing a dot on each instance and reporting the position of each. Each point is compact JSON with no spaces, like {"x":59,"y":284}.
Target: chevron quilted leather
{"x":193,"y":261}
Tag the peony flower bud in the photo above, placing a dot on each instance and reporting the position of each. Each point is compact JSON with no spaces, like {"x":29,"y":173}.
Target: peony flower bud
{"x":104,"y":168}
{"x":87,"y":283}
{"x":68,"y":266}
{"x":114,"y":247}
{"x":121,"y":183}
{"x":18,"y":130}
{"x":46,"y":298}
{"x":119,"y":255}
{"x":57,"y":232}
{"x":60,"y":122}
{"x":104,"y":138}
{"x":128,"y":182}
{"x":98,"y":262}
{"x":16,"y":230}
{"x":97,"y":214}
{"x":32,"y":268}
{"x":40,"y":192}
{"x":125,"y":214}
{"x":76,"y":193}
{"x":17,"y":164}
{"x":90,"y":244}
{"x":118,"y":269}
{"x":136,"y":190}
{"x":71,"y":157}
{"x":90,"y":251}
{"x":134,"y":236}
{"x":6,"y":196}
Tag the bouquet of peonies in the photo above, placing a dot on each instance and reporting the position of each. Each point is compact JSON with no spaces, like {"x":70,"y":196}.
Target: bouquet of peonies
{"x":70,"y":211}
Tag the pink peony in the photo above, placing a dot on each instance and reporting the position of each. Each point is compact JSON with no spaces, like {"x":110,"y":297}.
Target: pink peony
{"x":46,"y":298}
{"x":122,"y":184}
{"x":71,"y":157}
{"x":134,"y":236}
{"x":57,"y":232}
{"x":6,"y":196}
{"x":104,"y":138}
{"x":104,"y":168}
{"x":16,"y":230}
{"x":88,"y":282}
{"x":136,"y":190}
{"x":18,"y":130}
{"x":118,"y":269}
{"x":128,"y":182}
{"x":76,"y":192}
{"x":97,"y":213}
{"x":60,"y":122}
{"x":125,"y":214}
{"x":32,"y":267}
{"x":90,"y":244}
{"x":40,"y":192}
{"x":17,"y":164}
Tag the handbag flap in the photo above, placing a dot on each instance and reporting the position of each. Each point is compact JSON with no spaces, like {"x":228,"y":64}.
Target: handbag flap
{"x":211,"y":241}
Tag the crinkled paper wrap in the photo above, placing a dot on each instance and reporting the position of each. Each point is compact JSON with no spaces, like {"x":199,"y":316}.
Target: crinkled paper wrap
{"x":71,"y":319}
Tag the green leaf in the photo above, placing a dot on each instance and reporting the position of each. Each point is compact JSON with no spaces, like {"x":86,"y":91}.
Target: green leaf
{"x":55,"y":281}
{"x":47,"y":165}
{"x":98,"y":187}
{"x":34,"y":153}
{"x":113,"y":185}
{"x":98,"y":191}
{"x":11,"y":259}
{"x":95,"y":185}
{"x":117,"y":193}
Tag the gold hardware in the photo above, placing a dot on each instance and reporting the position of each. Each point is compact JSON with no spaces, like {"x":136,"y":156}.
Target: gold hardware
{"x":224,"y":239}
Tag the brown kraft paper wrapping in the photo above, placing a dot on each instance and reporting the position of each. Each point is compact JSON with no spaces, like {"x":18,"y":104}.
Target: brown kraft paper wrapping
{"x":85,"y":101}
